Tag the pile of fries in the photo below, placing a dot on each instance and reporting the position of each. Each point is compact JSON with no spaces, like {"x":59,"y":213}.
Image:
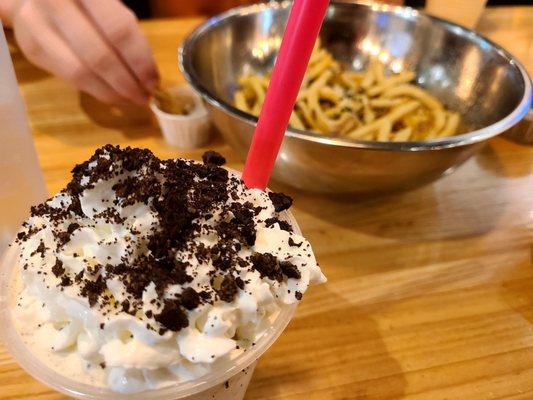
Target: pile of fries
{"x":364,"y":105}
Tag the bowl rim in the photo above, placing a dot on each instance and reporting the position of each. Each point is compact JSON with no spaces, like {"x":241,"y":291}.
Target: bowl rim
{"x":464,"y":139}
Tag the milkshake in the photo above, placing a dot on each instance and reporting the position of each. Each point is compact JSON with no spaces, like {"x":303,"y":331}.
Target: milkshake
{"x":162,"y":278}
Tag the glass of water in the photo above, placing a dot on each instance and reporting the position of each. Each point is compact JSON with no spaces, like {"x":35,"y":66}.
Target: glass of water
{"x":21,"y":178}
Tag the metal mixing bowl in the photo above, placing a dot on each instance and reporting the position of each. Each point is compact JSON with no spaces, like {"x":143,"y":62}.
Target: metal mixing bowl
{"x":467,"y":72}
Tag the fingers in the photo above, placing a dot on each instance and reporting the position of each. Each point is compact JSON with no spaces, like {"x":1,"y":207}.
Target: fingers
{"x":119,"y":27}
{"x":93,"y":51}
{"x":45,"y":48}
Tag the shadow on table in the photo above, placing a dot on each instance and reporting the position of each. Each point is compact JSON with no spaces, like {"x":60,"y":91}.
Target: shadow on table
{"x":328,"y":352}
{"x":447,"y":209}
{"x":517,"y":293}
{"x":27,"y":72}
{"x":487,"y":159}
{"x":133,"y":121}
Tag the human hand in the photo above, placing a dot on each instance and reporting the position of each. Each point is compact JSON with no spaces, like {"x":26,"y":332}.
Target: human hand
{"x":95,"y":45}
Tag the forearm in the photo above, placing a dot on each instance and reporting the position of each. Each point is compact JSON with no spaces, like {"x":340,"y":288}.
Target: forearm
{"x":7,"y":9}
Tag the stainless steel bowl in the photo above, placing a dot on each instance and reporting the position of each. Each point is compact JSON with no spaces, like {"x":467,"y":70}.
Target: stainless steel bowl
{"x":467,"y":72}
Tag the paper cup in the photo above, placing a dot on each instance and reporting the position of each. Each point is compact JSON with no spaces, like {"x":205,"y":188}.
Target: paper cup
{"x":227,"y":382}
{"x":184,"y":131}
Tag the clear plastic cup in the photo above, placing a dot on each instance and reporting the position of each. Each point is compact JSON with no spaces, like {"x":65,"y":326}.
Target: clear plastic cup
{"x":222,"y":383}
{"x":21,"y":180}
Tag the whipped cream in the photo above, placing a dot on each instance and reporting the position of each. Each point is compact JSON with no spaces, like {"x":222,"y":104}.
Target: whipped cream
{"x":143,"y":273}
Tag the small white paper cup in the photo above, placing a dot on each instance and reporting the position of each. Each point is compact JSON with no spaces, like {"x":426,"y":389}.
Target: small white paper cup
{"x":184,"y":131}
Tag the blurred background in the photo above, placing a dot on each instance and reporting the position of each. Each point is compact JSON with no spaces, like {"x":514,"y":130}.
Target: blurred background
{"x":172,"y":8}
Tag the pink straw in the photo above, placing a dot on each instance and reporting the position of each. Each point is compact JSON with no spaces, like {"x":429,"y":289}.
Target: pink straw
{"x":299,"y":38}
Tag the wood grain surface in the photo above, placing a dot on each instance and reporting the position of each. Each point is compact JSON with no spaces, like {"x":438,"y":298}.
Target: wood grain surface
{"x":430,"y":292}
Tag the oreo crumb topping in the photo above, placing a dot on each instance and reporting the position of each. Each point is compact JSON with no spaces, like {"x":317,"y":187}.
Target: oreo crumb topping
{"x":213,"y":158}
{"x":188,"y":200}
{"x":228,"y":289}
{"x":290,"y":270}
{"x":282,"y":224}
{"x":65,"y":281}
{"x":190,"y":299}
{"x":292,"y":243}
{"x":281,"y":201}
{"x":239,"y":282}
{"x":267,"y":265}
{"x":172,"y":316}
{"x":58,"y":269}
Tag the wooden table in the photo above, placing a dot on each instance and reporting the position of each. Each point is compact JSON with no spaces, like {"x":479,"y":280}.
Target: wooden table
{"x":430,"y":293}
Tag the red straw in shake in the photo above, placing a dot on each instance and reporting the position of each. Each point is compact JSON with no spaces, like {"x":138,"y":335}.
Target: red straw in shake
{"x":299,"y":38}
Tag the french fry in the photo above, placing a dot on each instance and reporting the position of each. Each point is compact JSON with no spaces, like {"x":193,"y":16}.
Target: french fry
{"x":452,"y":123}
{"x":403,"y":134}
